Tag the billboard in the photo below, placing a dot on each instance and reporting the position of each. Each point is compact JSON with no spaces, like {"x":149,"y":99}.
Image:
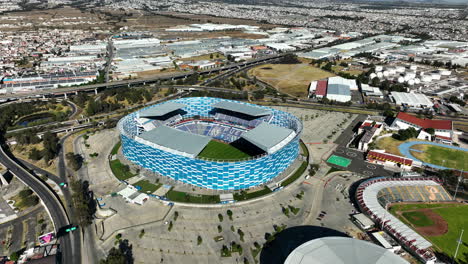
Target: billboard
{"x":47,"y":238}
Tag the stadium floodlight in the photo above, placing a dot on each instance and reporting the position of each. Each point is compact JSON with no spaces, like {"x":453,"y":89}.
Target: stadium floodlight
{"x":459,"y":241}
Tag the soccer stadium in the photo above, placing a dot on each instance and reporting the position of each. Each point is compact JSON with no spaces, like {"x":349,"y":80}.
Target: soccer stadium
{"x":212,"y":143}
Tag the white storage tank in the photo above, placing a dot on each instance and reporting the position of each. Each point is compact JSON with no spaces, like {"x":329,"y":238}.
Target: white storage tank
{"x":435,"y":76}
{"x":372,"y":76}
{"x":426,"y":78}
{"x":379,"y":74}
{"x":378,"y":68}
{"x":417,"y":81}
{"x":386,"y":73}
{"x":401,"y":80}
{"x":392,"y":71}
{"x":411,"y":82}
{"x":445,"y":72}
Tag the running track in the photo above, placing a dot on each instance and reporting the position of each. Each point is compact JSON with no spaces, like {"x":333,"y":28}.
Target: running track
{"x":405,"y":151}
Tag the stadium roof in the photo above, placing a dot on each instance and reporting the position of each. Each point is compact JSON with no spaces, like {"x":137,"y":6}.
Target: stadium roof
{"x":160,"y":110}
{"x":269,"y":137}
{"x":342,"y":250}
{"x":168,"y":138}
{"x":241,"y":108}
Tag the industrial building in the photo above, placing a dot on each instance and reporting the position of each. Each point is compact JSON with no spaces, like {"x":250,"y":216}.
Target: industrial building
{"x":411,"y":100}
{"x":334,"y":88}
{"x":338,"y":92}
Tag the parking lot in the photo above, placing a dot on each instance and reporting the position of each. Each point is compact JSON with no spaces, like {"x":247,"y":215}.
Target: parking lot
{"x":254,"y":219}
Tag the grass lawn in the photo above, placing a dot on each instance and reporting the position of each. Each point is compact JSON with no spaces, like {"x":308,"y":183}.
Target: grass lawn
{"x":456,"y":218}
{"x":450,"y":158}
{"x":305,"y":151}
{"x":146,"y":186}
{"x":222,"y":151}
{"x":120,"y":170}
{"x":115,"y":149}
{"x":455,"y":215}
{"x":391,"y":145}
{"x":246,"y":196}
{"x":183,"y":197}
{"x":296,"y":174}
{"x":292,"y":79}
{"x":418,"y":219}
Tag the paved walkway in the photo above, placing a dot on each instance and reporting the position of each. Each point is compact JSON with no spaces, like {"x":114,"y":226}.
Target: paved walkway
{"x":405,"y":150}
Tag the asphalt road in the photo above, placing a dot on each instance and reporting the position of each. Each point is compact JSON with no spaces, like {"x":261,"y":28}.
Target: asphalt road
{"x":50,"y":201}
{"x":358,"y":159}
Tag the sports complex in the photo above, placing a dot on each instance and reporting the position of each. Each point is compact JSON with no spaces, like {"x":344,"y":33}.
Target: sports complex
{"x":416,"y":211}
{"x":211,"y":142}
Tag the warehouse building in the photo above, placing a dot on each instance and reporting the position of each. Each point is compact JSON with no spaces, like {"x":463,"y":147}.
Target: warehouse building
{"x":338,"y":92}
{"x":411,"y":100}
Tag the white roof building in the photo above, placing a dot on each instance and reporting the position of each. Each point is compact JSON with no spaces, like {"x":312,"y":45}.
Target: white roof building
{"x":341,"y":250}
{"x":280,"y":46}
{"x":131,"y":194}
{"x":416,"y":100}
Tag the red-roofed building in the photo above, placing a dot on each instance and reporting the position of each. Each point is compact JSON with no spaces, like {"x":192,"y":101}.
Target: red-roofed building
{"x":321,"y":89}
{"x":388,"y":159}
{"x":443,"y":128}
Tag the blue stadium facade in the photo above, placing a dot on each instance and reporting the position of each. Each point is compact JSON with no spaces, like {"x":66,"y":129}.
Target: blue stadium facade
{"x":217,"y":175}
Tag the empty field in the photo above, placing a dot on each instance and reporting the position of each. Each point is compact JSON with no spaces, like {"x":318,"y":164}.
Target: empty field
{"x":222,"y":151}
{"x":450,"y":158}
{"x":292,"y":79}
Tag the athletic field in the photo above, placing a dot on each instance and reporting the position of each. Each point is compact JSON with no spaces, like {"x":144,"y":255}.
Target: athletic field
{"x":222,"y":151}
{"x":440,"y":223}
{"x":450,"y":158}
{"x":340,"y":161}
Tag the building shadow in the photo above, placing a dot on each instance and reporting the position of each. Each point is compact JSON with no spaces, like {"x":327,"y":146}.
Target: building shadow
{"x":277,"y":250}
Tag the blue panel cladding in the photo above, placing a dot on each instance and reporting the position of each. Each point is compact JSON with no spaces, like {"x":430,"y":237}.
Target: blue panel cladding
{"x":215,"y":175}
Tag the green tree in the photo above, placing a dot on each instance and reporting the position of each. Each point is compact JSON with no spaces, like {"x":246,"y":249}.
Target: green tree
{"x":74,"y":160}
{"x":220,"y":217}
{"x":51,"y":146}
{"x":35,"y":154}
{"x":121,"y":255}
{"x":229,"y":213}
{"x":430,"y":130}
{"x":14,"y":256}
{"x":199,"y":240}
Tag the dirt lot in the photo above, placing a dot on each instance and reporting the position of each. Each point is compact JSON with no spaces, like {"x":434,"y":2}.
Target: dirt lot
{"x":221,"y":20}
{"x":292,"y":79}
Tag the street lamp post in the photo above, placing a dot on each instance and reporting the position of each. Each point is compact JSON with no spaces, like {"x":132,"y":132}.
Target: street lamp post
{"x":458,"y":184}
{"x":459,"y":241}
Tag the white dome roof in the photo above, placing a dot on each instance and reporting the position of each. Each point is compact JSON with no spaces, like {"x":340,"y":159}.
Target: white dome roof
{"x":342,"y":250}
